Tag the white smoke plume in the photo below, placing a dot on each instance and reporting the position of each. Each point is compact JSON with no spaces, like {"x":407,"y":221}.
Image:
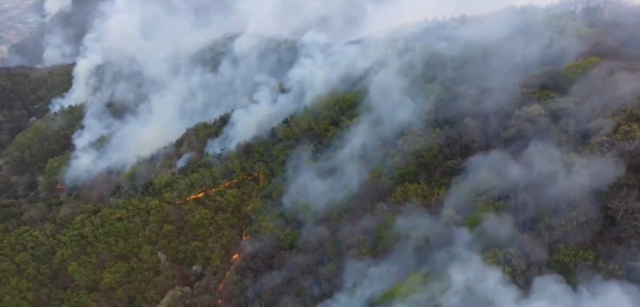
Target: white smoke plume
{"x":388,"y":111}
{"x":544,"y":178}
{"x":139,"y":56}
{"x":57,"y":36}
{"x":394,"y":103}
{"x":184,"y":160}
{"x":447,"y":259}
{"x":52,"y":7}
{"x":458,"y":276}
{"x":142,"y":77}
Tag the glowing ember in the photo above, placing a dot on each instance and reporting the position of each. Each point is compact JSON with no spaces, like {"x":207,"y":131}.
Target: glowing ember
{"x":59,"y":187}
{"x":224,"y":186}
{"x":235,"y":258}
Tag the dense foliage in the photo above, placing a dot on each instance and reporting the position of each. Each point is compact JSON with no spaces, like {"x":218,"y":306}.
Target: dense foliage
{"x":130,"y":239}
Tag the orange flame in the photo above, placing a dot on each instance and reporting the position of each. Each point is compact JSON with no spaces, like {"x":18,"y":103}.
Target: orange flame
{"x":235,"y":258}
{"x":224,"y":186}
{"x":59,"y":187}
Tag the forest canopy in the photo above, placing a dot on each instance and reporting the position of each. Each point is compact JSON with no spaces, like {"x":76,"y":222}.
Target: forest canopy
{"x":359,"y":197}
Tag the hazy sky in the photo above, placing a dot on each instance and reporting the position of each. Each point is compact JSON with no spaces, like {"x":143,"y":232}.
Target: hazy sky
{"x":401,"y":12}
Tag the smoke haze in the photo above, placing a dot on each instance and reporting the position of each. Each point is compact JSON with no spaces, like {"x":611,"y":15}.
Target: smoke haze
{"x":137,"y":57}
{"x":458,"y":276}
{"x":147,"y":71}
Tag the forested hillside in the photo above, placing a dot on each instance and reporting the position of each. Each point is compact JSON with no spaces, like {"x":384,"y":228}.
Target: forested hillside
{"x":542,"y":171}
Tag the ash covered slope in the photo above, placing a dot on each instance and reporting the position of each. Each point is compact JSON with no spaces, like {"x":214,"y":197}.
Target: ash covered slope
{"x":408,"y":172}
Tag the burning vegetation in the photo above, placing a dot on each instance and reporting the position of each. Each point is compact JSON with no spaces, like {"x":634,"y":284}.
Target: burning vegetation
{"x":475,"y":164}
{"x":226,"y":185}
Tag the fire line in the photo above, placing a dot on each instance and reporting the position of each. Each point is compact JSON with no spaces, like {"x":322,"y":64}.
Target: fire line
{"x":222,"y":187}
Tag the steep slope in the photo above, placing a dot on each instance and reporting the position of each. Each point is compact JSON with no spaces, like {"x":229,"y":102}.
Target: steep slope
{"x":534,"y":175}
{"x":25,"y":94}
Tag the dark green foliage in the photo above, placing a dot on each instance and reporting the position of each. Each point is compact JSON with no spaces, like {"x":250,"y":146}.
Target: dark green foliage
{"x":567,"y":260}
{"x":140,"y":243}
{"x":413,"y":285}
{"x":27,"y":156}
{"x":93,"y":256}
{"x":576,"y":69}
{"x":475,"y":219}
{"x":25,"y":93}
{"x":513,"y":264}
{"x":289,"y":240}
{"x":550,"y":84}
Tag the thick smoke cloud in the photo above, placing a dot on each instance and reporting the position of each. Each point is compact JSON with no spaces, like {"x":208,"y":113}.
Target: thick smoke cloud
{"x":52,"y":7}
{"x":59,"y":36}
{"x":17,"y":19}
{"x":448,"y":260}
{"x":394,"y":103}
{"x":543,"y":178}
{"x":542,"y":175}
{"x":393,"y":106}
{"x":65,"y":23}
{"x":388,"y":111}
{"x":138,"y":59}
{"x":150,"y":70}
{"x":457,"y":275}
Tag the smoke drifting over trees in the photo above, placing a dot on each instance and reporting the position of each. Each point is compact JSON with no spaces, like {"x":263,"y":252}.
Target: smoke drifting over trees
{"x":410,"y":153}
{"x":164,"y":84}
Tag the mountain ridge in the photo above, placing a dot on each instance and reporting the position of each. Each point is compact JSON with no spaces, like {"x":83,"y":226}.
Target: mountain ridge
{"x":504,"y":181}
